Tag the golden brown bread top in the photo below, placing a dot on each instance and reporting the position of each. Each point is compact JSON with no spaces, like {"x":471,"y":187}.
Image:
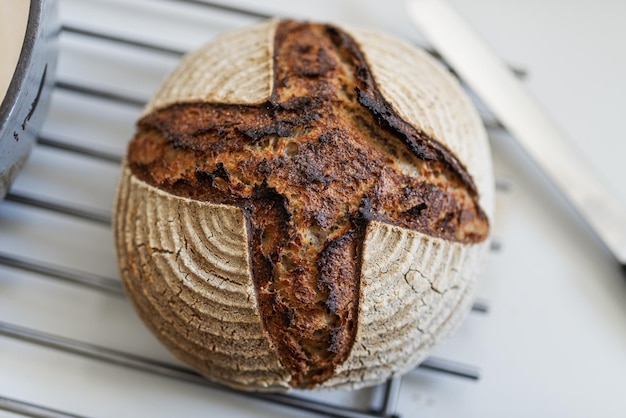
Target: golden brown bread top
{"x":310,"y":167}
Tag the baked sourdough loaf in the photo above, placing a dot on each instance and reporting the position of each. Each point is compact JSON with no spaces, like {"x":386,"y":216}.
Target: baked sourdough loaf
{"x":304,"y":206}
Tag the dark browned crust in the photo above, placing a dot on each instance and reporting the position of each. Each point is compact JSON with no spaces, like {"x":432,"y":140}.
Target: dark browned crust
{"x":310,"y":167}
{"x":368,"y":95}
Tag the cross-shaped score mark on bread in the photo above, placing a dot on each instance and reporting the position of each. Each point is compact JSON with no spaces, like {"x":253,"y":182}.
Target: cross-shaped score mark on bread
{"x":310,"y":168}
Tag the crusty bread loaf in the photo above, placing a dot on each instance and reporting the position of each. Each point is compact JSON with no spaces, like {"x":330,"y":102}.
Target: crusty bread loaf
{"x":304,"y":206}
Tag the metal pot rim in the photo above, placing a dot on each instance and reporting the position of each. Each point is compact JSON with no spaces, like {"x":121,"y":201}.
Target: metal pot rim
{"x":26,"y":56}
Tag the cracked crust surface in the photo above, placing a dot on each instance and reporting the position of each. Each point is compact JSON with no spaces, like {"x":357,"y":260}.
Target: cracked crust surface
{"x":317,"y":172}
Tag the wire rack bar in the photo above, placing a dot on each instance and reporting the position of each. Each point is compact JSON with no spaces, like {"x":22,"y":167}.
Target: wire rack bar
{"x":106,"y":219}
{"x":390,"y":399}
{"x":502,"y":184}
{"x":121,"y":40}
{"x":31,"y":410}
{"x":81,"y":213}
{"x":173,"y":371}
{"x":100,"y":93}
{"x":450,"y":367}
{"x":168,"y":370}
{"x":225,"y":8}
{"x":89,"y":280}
{"x":480,"y":306}
{"x":517,"y":70}
{"x":84,"y":90}
{"x":489,"y":122}
{"x":101,"y":283}
{"x":81,"y":150}
{"x":496,"y":245}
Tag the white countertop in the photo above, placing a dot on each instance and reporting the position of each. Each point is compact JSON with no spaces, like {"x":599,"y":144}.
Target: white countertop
{"x":554,"y":341}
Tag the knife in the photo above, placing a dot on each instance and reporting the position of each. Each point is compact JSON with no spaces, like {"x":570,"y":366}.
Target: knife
{"x":490,"y":79}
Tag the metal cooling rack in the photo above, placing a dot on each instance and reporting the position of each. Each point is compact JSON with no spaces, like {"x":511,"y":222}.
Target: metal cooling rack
{"x":380,"y":402}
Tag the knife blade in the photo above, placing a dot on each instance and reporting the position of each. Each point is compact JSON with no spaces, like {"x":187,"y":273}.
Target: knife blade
{"x":513,"y":105}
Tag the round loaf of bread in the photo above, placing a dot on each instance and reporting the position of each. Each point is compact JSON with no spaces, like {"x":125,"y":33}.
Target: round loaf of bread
{"x":304,"y":206}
